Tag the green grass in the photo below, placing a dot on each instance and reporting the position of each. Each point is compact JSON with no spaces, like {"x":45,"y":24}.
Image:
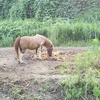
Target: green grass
{"x":84,"y":80}
{"x":60,"y":32}
{"x":17,"y":93}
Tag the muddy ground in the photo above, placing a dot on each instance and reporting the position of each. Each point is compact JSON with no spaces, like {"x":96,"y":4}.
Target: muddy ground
{"x":32,"y":75}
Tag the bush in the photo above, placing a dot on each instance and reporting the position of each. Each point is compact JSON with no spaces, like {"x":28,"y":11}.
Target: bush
{"x":43,"y":10}
{"x":84,"y":81}
{"x":59,"y":31}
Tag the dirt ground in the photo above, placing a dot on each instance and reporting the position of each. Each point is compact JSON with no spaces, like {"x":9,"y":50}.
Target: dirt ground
{"x":11,"y":70}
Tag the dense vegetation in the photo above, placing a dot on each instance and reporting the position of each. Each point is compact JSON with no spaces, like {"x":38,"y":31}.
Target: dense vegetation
{"x":60,"y":20}
{"x":66,"y":20}
{"x":45,"y":9}
{"x":61,"y":32}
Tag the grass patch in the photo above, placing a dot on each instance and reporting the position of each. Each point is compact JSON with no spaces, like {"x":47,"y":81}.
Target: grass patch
{"x":84,"y":81}
{"x":60,"y":32}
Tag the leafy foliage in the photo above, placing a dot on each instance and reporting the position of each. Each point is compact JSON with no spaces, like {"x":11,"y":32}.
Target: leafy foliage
{"x":59,"y":31}
{"x":84,"y":81}
{"x":46,"y":9}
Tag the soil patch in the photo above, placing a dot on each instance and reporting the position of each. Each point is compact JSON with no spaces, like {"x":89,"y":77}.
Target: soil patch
{"x":33,"y":73}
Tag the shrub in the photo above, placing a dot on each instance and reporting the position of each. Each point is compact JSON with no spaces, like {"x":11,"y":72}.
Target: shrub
{"x":59,"y":31}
